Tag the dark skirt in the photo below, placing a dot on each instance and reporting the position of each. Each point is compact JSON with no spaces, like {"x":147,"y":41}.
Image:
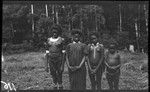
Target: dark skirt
{"x":78,"y":79}
{"x":55,"y":69}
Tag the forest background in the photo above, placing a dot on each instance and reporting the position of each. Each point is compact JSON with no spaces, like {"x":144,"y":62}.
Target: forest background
{"x":26,"y":26}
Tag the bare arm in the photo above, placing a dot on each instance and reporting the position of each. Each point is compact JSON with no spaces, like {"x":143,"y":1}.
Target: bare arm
{"x":63,"y":54}
{"x":83,"y":60}
{"x":85,"y":51}
{"x":89,"y":65}
{"x":67,"y":61}
{"x":46,"y":55}
{"x":101,"y":60}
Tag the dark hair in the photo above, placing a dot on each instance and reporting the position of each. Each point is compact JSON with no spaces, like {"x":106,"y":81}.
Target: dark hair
{"x":112,"y":43}
{"x":58,"y":28}
{"x":76,"y":31}
{"x":94,"y":33}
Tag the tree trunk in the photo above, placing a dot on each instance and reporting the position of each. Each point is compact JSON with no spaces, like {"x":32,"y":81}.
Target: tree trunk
{"x":12,"y":31}
{"x":46,"y":10}
{"x":32,"y":21}
{"x":96,"y":22}
{"x":69,"y":26}
{"x":139,"y":28}
{"x":136,"y":28}
{"x":71,"y":23}
{"x":57,"y":21}
{"x":32,"y":27}
{"x":81,"y":26}
{"x":120,"y":17}
{"x":53,"y":13}
{"x":146,"y":17}
{"x":81,"y":23}
{"x":70,"y":20}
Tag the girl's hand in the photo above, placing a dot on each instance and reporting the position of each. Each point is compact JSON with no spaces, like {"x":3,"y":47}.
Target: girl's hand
{"x":74,"y":68}
{"x":77,"y":67}
{"x":70,"y":68}
{"x":61,"y":68}
{"x":92,"y":72}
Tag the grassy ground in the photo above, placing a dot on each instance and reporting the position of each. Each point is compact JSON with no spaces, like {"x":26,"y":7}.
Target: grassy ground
{"x":26,"y":71}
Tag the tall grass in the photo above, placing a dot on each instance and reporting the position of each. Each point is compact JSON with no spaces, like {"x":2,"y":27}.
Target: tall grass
{"x":26,"y":71}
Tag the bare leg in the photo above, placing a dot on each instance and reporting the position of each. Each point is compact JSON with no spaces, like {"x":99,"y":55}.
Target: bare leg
{"x":54,"y":74}
{"x":116,"y":81}
{"x":46,"y":63}
{"x":59,"y":76}
{"x":98,"y":78}
{"x":93,"y":81}
{"x":110,"y":81}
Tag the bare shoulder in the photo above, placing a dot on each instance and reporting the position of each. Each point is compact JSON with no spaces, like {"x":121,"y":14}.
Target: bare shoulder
{"x":89,"y":45}
{"x":62,"y":39}
{"x":101,"y":45}
{"x":48,"y":39}
{"x":83,"y":44}
{"x":69,"y":44}
{"x":106,"y":50}
{"x":118,"y":54}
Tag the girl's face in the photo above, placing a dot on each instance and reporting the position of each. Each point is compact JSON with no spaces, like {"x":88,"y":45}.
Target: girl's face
{"x":76,"y":37}
{"x":112,"y":48}
{"x":55,"y":33}
{"x":94,"y":39}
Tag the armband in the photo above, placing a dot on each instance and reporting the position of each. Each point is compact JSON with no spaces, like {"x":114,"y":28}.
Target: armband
{"x":47,"y":51}
{"x":63,"y":51}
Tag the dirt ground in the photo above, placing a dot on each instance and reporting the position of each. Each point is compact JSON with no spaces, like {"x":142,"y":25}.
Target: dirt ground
{"x":27,"y":72}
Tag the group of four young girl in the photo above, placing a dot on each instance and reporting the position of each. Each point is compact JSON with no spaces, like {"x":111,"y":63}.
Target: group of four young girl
{"x":75,"y":54}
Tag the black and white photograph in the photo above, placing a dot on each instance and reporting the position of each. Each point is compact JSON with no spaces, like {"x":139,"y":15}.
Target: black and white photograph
{"x":74,"y":45}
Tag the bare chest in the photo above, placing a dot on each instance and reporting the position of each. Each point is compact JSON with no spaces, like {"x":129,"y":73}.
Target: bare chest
{"x":113,"y":59}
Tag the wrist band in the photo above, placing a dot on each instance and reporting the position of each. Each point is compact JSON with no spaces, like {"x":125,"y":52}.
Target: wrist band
{"x":63,"y":51}
{"x":47,"y":51}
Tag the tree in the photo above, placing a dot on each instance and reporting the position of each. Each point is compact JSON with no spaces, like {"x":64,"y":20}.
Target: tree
{"x":120,"y":26}
{"x":90,"y":18}
{"x":107,"y":19}
{"x":14,"y":17}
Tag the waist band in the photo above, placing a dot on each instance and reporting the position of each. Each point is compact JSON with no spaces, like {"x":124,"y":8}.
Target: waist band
{"x":110,"y":73}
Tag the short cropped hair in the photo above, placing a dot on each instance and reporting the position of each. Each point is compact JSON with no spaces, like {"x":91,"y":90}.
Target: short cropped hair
{"x":76,"y":31}
{"x":58,"y":28}
{"x":112,"y":43}
{"x":94,"y":33}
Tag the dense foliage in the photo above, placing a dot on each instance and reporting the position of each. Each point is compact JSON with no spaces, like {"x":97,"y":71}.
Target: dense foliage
{"x":103,"y":18}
